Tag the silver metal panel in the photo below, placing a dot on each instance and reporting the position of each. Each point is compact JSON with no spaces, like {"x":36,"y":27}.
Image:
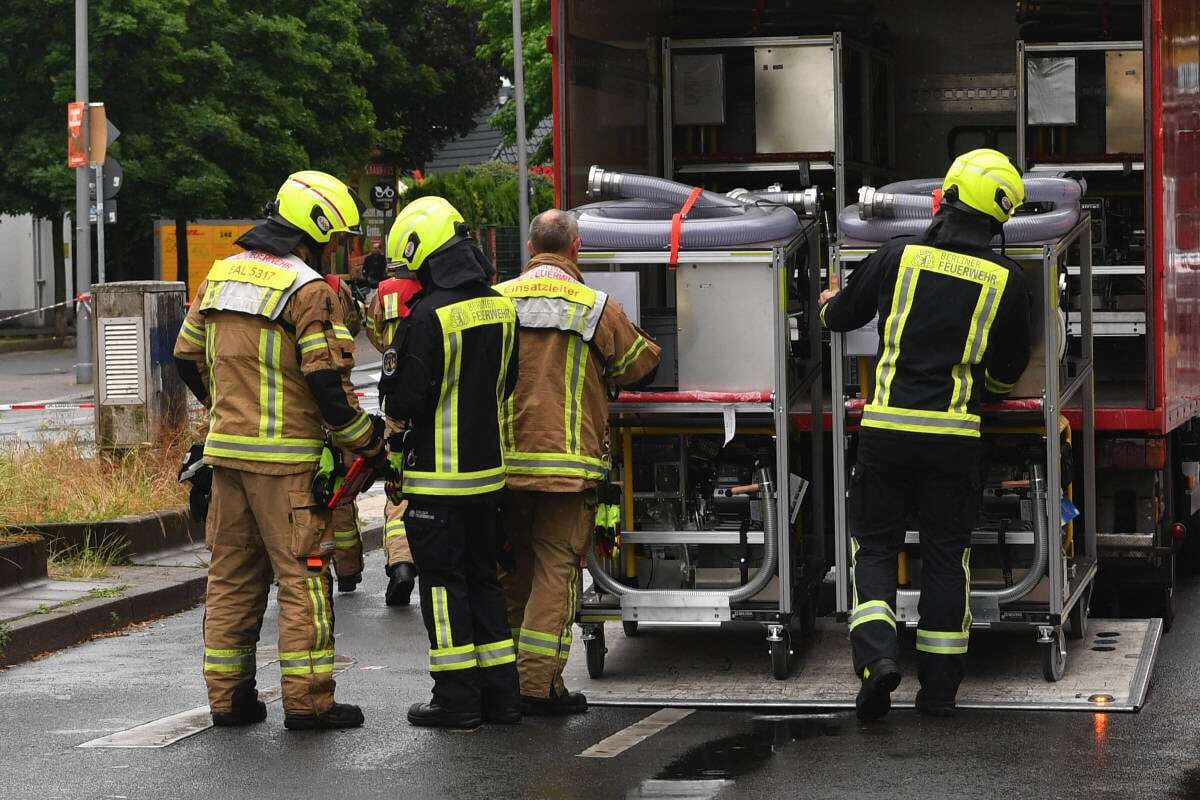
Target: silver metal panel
{"x":864,"y":341}
{"x":690,"y":537}
{"x":1051,"y":83}
{"x":1123,"y":106}
{"x":698,"y":89}
{"x":1077,"y":47}
{"x":726,"y":337}
{"x":624,"y":287}
{"x":729,"y":668}
{"x":676,"y":608}
{"x":981,"y":537}
{"x":1125,"y":540}
{"x":121,"y":344}
{"x":794,"y":99}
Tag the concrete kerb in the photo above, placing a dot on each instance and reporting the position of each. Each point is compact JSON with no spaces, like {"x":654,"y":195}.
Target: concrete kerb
{"x":139,"y":534}
{"x":154,"y":592}
{"x":22,"y":560}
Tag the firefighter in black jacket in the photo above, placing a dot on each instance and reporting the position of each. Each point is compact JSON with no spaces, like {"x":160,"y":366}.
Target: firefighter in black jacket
{"x":445,"y":378}
{"x":953,"y":327}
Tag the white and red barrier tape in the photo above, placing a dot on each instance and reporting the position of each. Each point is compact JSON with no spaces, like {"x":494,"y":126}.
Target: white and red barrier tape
{"x":82,"y":299}
{"x":45,"y":406}
{"x":69,"y":406}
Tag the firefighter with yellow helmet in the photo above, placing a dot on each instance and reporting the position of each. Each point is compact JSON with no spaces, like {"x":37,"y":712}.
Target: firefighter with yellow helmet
{"x":266,"y":349}
{"x":386,"y":313}
{"x":445,"y":380}
{"x":954,"y":329}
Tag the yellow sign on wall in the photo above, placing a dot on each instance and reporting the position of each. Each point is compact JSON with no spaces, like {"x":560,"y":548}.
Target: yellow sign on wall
{"x":208,"y":241}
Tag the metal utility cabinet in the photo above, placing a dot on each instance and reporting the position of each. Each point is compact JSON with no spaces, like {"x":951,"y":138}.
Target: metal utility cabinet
{"x":139,"y":394}
{"x":711,"y":484}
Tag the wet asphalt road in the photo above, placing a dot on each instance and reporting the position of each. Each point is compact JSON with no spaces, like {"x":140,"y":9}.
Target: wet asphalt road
{"x":49,"y":707}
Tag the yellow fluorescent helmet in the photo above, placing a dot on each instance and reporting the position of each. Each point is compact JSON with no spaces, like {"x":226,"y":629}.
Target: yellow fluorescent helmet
{"x":318,"y":204}
{"x":986,"y":181}
{"x":423,"y":227}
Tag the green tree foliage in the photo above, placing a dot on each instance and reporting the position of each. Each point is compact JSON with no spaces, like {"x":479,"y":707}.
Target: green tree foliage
{"x":426,"y":83}
{"x":485,"y":194}
{"x":495,"y":21}
{"x":218,"y":100}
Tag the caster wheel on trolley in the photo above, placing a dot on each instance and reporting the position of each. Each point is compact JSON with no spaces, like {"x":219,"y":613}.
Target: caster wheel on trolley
{"x":1054,"y":656}
{"x":594,"y":648}
{"x":1078,"y":616}
{"x":780,"y":641}
{"x":630,"y":627}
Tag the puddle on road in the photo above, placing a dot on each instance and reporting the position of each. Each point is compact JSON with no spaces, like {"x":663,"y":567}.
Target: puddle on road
{"x":703,"y":771}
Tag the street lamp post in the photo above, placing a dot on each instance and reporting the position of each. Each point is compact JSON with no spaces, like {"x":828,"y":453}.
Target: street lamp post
{"x":522,"y":155}
{"x":83,"y":226}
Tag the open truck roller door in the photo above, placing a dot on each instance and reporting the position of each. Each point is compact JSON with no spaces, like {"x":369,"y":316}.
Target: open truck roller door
{"x":839,"y":96}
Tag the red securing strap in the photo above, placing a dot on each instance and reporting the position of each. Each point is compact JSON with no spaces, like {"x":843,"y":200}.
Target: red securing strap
{"x":677,"y":224}
{"x":937,"y":201}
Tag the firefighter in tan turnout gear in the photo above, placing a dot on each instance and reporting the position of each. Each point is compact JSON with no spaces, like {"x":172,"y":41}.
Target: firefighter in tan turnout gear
{"x":265,"y":348}
{"x":574,"y":343}
{"x":385,"y":314}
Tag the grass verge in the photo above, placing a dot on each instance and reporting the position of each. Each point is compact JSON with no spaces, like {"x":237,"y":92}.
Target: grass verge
{"x":90,"y":560}
{"x":63,"y":480}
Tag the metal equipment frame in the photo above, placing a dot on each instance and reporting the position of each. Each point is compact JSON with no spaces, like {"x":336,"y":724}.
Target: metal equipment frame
{"x":1069,"y":581}
{"x":837,"y":44}
{"x":701,"y":607}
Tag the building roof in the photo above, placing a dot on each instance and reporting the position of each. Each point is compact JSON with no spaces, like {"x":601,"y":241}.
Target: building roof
{"x":484,"y":143}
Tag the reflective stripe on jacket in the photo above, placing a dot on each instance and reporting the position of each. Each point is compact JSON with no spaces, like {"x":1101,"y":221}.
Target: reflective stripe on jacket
{"x":449,"y":379}
{"x":263,"y":417}
{"x":574,"y":342}
{"x":953,"y":326}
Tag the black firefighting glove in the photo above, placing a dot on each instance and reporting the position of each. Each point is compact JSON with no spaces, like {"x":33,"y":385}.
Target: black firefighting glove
{"x":608,"y":520}
{"x":505,"y":556}
{"x":199,"y":475}
{"x":375,"y":452}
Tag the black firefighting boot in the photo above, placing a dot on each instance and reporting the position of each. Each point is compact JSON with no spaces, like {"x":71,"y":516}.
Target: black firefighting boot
{"x":556,"y":705}
{"x":431,"y":715}
{"x":874,"y":699}
{"x":402,"y":577}
{"x":339,"y":715}
{"x":502,"y":715}
{"x":247,"y":708}
{"x":348,"y":583}
{"x":934,"y":705}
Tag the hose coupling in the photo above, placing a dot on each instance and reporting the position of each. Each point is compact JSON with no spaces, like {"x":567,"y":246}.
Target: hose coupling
{"x":602,"y":183}
{"x":874,"y":204}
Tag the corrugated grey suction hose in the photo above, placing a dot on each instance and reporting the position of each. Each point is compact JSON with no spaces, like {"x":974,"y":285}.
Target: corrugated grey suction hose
{"x":717,"y":221}
{"x":753,"y":586}
{"x":903,"y":208}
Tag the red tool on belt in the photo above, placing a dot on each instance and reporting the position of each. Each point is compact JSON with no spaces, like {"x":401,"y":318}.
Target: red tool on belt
{"x":358,"y":479}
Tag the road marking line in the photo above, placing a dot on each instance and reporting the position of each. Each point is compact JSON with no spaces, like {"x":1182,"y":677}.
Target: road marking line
{"x":167,"y":731}
{"x":636,"y":733}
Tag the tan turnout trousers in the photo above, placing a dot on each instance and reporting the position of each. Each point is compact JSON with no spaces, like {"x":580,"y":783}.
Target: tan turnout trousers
{"x":347,"y":541}
{"x":395,"y":538}
{"x":259,"y":526}
{"x":550,"y":532}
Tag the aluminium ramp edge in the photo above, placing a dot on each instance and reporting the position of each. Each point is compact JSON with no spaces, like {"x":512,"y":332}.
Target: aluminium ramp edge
{"x":723,"y":669}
